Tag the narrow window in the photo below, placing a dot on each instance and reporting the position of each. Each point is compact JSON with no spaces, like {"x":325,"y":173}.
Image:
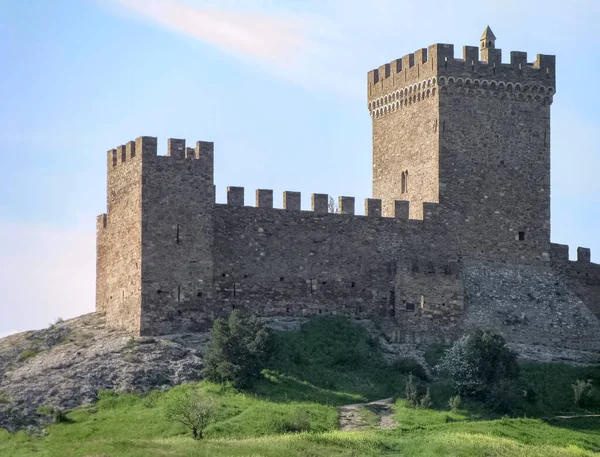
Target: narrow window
{"x":177,"y":235}
{"x":406,"y":181}
{"x":178,"y":294}
{"x":403,"y":185}
{"x":521,"y":236}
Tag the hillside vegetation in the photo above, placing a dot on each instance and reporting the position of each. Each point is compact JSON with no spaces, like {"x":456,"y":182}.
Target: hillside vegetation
{"x":291,"y":410}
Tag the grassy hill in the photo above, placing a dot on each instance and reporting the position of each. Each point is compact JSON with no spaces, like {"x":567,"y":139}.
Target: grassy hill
{"x":292,"y":411}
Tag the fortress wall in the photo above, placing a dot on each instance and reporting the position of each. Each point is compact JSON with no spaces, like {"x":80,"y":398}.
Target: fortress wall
{"x":302,"y":263}
{"x":581,"y":276}
{"x":282,"y":263}
{"x":530,"y":305}
{"x":119,"y":240}
{"x":495,"y":170}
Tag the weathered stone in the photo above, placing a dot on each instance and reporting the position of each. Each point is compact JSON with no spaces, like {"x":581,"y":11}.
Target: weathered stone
{"x":461,"y":166}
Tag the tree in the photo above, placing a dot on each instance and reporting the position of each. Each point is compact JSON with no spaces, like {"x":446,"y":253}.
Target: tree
{"x":192,"y":409}
{"x":478,"y":362}
{"x":238,"y":349}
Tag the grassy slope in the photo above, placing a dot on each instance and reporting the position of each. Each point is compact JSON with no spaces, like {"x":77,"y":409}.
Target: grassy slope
{"x":327,"y":363}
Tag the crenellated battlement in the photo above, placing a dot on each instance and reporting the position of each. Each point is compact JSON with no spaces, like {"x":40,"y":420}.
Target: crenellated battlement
{"x":438,"y":59}
{"x":145,"y":148}
{"x":320,"y":204}
{"x":560,"y":253}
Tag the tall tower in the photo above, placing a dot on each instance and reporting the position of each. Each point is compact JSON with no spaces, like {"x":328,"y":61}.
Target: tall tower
{"x":472,"y":135}
{"x":154,"y":245}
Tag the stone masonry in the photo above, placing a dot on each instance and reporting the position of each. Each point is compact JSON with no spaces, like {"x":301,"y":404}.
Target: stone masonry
{"x":456,"y":236}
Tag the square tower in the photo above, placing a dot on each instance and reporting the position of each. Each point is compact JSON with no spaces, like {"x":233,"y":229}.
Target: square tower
{"x":472,"y":135}
{"x":154,"y":245}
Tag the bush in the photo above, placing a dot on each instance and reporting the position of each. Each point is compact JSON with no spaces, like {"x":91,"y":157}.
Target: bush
{"x":238,"y":349}
{"x":192,"y":409}
{"x":502,"y":396}
{"x":5,"y":397}
{"x":300,"y":422}
{"x":581,"y":390}
{"x":454,"y":402}
{"x":411,"y":392}
{"x":434,"y":353}
{"x":417,"y":396}
{"x":58,"y":415}
{"x":479,"y":361}
{"x":27,"y":354}
{"x":425,"y":401}
{"x":409,"y":365}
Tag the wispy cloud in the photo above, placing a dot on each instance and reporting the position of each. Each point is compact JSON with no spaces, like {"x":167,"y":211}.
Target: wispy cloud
{"x":280,"y":38}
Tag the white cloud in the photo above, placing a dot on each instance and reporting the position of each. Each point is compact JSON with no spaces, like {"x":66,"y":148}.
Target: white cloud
{"x":45,"y":272}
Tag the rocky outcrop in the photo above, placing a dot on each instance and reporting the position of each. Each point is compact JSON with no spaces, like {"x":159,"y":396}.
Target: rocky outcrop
{"x":67,"y":364}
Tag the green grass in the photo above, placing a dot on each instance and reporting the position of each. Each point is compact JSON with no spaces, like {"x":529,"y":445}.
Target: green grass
{"x":332,"y":354}
{"x":507,"y":437}
{"x":291,"y":412}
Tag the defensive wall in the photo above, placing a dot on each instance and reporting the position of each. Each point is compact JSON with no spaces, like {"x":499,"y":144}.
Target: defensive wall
{"x":456,"y":237}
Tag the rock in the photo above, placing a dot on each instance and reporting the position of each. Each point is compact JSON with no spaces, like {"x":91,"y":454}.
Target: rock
{"x":67,"y":364}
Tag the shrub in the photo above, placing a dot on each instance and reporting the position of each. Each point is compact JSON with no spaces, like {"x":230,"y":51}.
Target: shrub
{"x":476,"y":362}
{"x":299,"y":422}
{"x":409,"y":365}
{"x":502,"y":396}
{"x":434,"y":353}
{"x":581,"y":390}
{"x":425,"y":401}
{"x":58,"y":415}
{"x":27,"y":354}
{"x":416,"y":394}
{"x":192,"y":409}
{"x":238,"y":349}
{"x":454,"y":402}
{"x":5,"y":397}
{"x":411,"y":392}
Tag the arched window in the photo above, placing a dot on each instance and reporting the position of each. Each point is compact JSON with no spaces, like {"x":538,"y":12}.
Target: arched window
{"x":403,"y":188}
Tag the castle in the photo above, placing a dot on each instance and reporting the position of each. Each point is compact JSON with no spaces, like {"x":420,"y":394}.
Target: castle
{"x":456,"y":236}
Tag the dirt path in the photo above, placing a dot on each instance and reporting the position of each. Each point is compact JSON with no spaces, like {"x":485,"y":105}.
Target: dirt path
{"x":352,"y":419}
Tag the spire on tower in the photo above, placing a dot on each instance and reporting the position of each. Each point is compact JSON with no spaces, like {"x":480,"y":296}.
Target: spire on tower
{"x":488,"y":39}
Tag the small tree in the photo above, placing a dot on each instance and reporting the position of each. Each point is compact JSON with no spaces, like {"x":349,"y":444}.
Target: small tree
{"x":411,"y":391}
{"x":581,"y":390}
{"x":454,"y":402}
{"x":191,"y":409}
{"x":238,"y":349}
{"x":479,"y":361}
{"x":425,"y":401}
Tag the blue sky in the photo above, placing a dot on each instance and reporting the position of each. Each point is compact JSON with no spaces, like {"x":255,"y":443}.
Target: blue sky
{"x":279,"y":86}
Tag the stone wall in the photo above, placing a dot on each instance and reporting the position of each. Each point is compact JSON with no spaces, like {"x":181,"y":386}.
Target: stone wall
{"x":457,"y":238}
{"x":119,"y":233}
{"x":581,"y":276}
{"x":177,"y":240}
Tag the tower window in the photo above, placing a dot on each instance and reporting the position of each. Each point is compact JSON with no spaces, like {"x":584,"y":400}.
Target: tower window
{"x":521,"y":236}
{"x":404,"y":185}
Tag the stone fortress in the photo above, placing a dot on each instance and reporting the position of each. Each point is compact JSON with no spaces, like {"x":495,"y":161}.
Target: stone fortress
{"x":456,"y":236}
